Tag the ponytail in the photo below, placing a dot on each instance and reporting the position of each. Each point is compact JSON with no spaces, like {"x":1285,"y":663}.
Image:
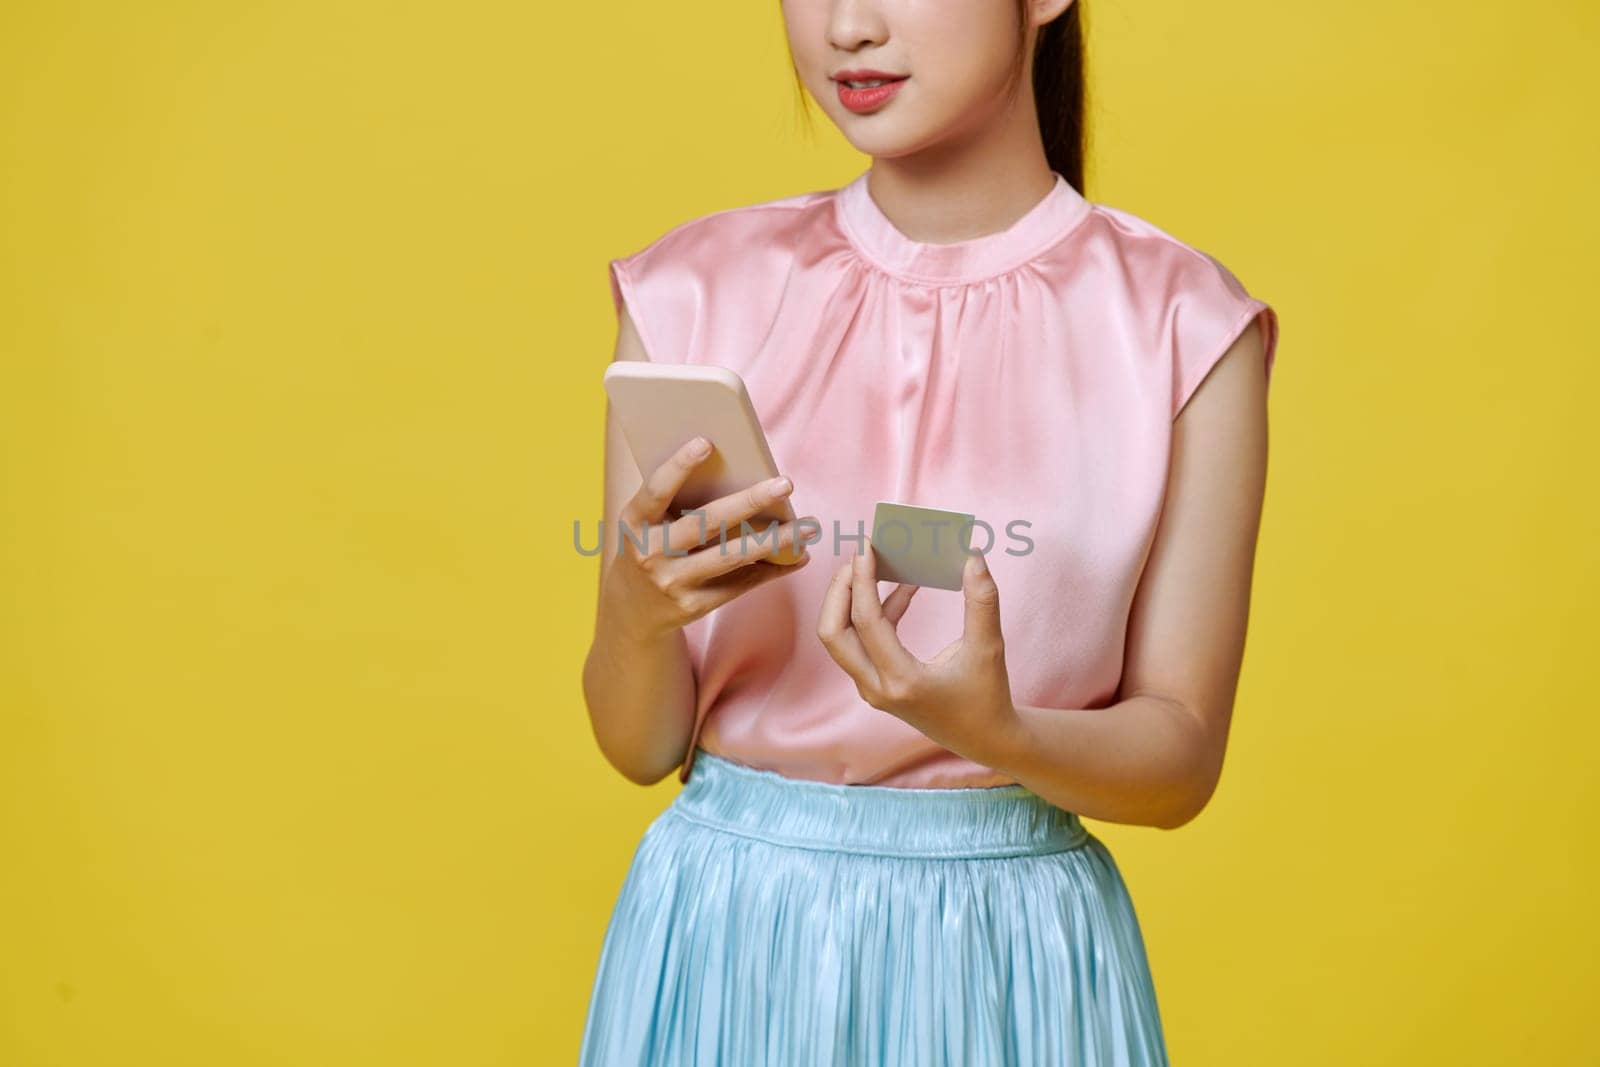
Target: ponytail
{"x":1059,"y":91}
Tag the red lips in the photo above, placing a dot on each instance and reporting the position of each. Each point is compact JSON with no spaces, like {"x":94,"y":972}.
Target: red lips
{"x":869,"y":99}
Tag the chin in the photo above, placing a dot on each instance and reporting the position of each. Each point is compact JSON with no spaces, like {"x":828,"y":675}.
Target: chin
{"x":880,"y":138}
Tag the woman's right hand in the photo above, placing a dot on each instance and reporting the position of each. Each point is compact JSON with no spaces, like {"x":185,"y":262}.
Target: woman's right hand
{"x":677,"y":577}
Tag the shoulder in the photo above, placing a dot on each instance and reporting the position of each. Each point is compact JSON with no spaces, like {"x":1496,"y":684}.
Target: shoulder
{"x":735,"y":260}
{"x":1154,"y":258}
{"x":731,"y":232}
{"x":1191,"y":306}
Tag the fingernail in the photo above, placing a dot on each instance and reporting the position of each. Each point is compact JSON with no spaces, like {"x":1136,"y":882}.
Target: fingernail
{"x":780,"y":485}
{"x":700,"y":447}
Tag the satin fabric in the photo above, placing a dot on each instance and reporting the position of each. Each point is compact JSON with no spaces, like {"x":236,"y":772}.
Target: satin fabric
{"x":771,"y":921}
{"x":1029,"y":376}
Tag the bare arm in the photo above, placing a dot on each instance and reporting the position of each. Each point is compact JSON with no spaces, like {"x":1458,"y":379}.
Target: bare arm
{"x":639,"y":687}
{"x":1154,"y":758}
{"x":638,"y":679}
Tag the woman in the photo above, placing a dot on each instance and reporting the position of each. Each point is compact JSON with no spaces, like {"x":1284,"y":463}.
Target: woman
{"x":878,"y":856}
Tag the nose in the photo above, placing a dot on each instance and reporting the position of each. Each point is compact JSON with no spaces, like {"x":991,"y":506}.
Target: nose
{"x":856,"y":24}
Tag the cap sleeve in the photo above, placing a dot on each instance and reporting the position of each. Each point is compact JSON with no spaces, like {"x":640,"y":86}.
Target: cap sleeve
{"x":1210,"y":310}
{"x":627,"y":292}
{"x":664,"y":285}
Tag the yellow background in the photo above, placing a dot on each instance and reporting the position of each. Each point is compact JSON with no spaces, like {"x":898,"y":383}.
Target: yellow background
{"x":302,"y":315}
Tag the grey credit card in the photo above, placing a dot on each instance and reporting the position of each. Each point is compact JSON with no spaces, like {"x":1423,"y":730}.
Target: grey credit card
{"x":921,"y":546}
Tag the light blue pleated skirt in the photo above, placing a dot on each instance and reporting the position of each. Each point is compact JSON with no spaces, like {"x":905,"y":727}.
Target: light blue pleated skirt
{"x":771,"y":921}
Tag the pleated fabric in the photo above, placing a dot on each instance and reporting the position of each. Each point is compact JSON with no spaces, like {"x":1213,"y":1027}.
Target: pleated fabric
{"x":1030,"y":376}
{"x":768,"y":920}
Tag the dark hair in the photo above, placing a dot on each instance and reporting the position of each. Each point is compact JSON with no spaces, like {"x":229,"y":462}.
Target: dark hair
{"x":1059,"y":89}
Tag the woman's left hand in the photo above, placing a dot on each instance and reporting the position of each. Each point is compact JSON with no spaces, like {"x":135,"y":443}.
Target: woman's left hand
{"x":960,"y":699}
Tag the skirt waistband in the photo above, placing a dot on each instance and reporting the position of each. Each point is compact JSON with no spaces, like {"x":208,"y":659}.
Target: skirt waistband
{"x":1007,"y":820}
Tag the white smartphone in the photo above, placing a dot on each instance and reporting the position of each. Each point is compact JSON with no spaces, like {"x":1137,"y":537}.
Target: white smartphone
{"x":662,"y":405}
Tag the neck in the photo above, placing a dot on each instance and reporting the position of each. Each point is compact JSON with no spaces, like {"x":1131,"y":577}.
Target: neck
{"x":976,"y":183}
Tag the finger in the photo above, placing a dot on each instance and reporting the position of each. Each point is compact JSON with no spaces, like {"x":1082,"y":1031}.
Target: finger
{"x":732,"y":518}
{"x":981,"y":618}
{"x":735,"y":584}
{"x":837,"y":634}
{"x":724,"y":555}
{"x":650,"y":503}
{"x":808,"y":532}
{"x":752,"y":512}
{"x":877,"y":632}
{"x":894,"y":607}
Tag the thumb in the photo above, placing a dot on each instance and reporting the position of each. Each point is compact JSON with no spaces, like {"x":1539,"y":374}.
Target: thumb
{"x":982,"y":619}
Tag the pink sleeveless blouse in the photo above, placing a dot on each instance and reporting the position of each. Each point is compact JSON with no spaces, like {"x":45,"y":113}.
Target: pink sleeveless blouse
{"x":1029,"y":376}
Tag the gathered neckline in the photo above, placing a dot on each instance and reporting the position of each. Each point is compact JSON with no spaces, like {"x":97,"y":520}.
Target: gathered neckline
{"x":958,"y":262}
